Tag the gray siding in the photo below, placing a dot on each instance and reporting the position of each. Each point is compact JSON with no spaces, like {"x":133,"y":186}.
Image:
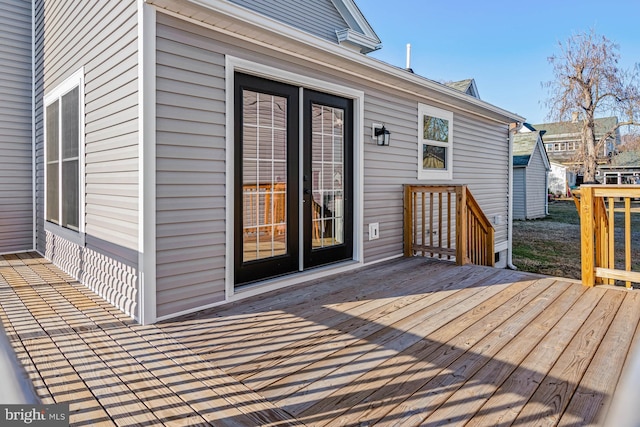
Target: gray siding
{"x":480,"y":161}
{"x":326,"y":19}
{"x":190,"y":170}
{"x":519,"y":193}
{"x":536,"y":186}
{"x":16,"y":183}
{"x":102,"y":38}
{"x":190,"y":161}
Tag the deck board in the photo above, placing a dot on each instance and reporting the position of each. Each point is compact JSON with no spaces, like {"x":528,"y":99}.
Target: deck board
{"x":404,"y":342}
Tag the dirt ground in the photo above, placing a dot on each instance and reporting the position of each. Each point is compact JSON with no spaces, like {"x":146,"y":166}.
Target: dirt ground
{"x":552,"y":245}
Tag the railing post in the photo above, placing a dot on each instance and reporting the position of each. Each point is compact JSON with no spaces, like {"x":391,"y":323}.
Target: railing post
{"x":408,"y":221}
{"x":461,"y":225}
{"x":587,"y":233}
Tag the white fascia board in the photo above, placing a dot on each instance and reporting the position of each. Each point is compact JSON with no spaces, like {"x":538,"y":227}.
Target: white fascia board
{"x":251,"y":18}
{"x":352,"y":15}
{"x":543,"y":153}
{"x":366,"y":44}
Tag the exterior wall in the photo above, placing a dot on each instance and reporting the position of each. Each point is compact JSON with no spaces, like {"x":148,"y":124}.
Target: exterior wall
{"x":519,"y":193}
{"x":536,"y":186}
{"x":16,"y":183}
{"x":326,"y":19}
{"x":191,"y":160}
{"x":102,"y":38}
{"x":190,"y":170}
{"x":475,"y":142}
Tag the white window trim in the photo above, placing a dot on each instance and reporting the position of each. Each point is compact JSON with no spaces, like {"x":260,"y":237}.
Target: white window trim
{"x":233,"y":64}
{"x":433,"y":174}
{"x":74,"y":80}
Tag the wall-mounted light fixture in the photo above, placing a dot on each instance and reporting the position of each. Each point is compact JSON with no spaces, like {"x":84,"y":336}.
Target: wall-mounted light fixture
{"x":381,"y":134}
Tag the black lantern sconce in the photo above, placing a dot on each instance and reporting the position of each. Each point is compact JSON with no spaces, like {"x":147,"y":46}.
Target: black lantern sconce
{"x":381,"y":134}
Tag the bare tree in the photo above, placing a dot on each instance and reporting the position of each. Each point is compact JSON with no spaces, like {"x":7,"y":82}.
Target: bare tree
{"x":630,"y":142}
{"x":588,"y":84}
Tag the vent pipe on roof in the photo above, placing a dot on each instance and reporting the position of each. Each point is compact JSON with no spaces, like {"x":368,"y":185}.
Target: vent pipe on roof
{"x":408,"y":67}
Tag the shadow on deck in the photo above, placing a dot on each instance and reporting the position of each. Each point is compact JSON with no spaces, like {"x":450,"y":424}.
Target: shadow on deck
{"x":410,"y":341}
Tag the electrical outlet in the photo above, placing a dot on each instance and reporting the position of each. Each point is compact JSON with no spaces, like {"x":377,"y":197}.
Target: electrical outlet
{"x":374,"y":231}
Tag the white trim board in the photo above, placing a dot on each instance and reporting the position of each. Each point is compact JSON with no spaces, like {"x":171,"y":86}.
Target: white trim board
{"x":147,"y":164}
{"x":233,"y":64}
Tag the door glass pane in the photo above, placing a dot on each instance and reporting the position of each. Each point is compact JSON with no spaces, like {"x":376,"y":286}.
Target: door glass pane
{"x":264,"y":176}
{"x":327,"y":163}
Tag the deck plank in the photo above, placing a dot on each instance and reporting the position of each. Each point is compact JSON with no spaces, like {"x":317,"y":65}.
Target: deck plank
{"x":554,"y":393}
{"x":503,"y":407}
{"x":430,"y":357}
{"x":441,"y":328}
{"x":601,"y":377}
{"x":449,"y":374}
{"x":346,"y":365}
{"x":462,"y":405}
{"x":408,"y":341}
{"x":359,"y":327}
{"x":355,"y":323}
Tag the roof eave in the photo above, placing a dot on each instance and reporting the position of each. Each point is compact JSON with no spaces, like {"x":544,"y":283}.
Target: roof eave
{"x":363,"y":43}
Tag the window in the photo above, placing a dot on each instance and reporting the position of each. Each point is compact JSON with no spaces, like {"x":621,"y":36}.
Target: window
{"x":435,"y":143}
{"x":63,"y":138}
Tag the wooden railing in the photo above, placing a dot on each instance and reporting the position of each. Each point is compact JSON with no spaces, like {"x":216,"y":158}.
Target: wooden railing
{"x":606,"y":260}
{"x":446,"y":222}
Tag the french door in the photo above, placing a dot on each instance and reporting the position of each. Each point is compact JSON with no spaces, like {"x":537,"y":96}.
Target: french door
{"x":293,"y":202}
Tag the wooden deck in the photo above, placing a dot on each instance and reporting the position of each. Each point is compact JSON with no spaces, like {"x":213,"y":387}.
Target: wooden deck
{"x":406,"y":342}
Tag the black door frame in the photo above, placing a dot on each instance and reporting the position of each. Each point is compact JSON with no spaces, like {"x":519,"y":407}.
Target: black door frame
{"x":344,"y":251}
{"x":257,"y":270}
{"x":252,"y":271}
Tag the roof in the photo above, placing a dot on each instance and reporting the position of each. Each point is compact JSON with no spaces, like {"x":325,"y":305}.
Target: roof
{"x":626,"y":158}
{"x":467,"y":86}
{"x":345,"y":22}
{"x":603,"y":125}
{"x":524,"y":145}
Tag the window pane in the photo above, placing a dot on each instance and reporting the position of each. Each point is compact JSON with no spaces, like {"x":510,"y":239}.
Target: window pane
{"x":434,"y":157}
{"x":70,"y":123}
{"x":52,"y":132}
{"x":70,"y":191}
{"x":327,"y":165}
{"x":264,"y":176}
{"x":52,"y":192}
{"x":436,"y":129}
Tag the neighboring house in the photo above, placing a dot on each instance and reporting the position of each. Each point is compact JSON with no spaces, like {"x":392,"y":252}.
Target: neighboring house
{"x":467,"y":86}
{"x":624,"y":168}
{"x":530,"y":176}
{"x":562,"y":139}
{"x":191,"y":153}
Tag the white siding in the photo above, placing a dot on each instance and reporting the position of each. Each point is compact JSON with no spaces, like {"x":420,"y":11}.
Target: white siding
{"x":326,"y":19}
{"x":102,"y":38}
{"x":190,"y":170}
{"x":16,"y":207}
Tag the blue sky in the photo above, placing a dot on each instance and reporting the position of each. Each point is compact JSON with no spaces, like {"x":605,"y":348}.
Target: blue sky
{"x":503,"y":45}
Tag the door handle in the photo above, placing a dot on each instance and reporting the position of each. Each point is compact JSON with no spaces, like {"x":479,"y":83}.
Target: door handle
{"x":307,"y":191}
